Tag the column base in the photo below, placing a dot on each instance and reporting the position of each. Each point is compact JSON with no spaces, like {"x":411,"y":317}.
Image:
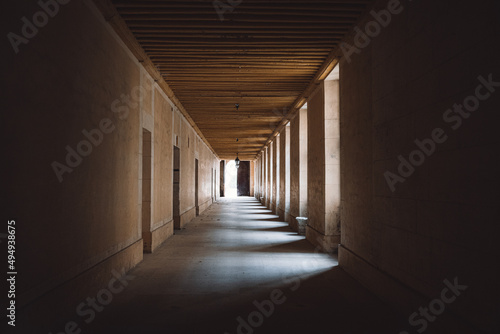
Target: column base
{"x":284,"y":215}
{"x":183,"y":219}
{"x":327,"y":243}
{"x":151,"y":240}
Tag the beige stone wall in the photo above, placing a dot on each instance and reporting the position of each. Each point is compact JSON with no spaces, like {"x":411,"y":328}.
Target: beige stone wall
{"x":187,"y":167}
{"x":149,"y":95}
{"x":62,"y":84}
{"x":163,"y":172}
{"x":442,"y":221}
{"x":206,"y":164}
{"x":191,"y":148}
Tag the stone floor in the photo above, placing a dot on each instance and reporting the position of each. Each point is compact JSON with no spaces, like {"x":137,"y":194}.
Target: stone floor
{"x":238,"y":269}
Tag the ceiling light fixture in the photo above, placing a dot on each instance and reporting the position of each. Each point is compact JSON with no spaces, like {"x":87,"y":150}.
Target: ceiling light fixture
{"x":237,"y":161}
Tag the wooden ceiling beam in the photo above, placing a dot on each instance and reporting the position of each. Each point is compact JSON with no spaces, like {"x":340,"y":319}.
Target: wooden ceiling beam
{"x":267,"y":56}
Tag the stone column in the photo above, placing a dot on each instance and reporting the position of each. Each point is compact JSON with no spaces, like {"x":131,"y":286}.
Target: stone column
{"x":323,"y":227}
{"x":275,"y":175}
{"x":298,"y":167}
{"x":283,"y":188}
{"x":268,"y":178}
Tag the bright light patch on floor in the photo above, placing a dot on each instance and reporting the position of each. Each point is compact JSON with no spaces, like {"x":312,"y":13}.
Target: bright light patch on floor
{"x":248,"y":247}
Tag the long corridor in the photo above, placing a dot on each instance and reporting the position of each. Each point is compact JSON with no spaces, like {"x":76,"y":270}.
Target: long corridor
{"x":238,"y":269}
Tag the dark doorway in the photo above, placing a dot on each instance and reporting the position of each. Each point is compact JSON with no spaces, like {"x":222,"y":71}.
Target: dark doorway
{"x":222,"y":172}
{"x":146,"y":190}
{"x":215,"y":184}
{"x":176,"y":193}
{"x":243,"y":179}
{"x":196,"y":187}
